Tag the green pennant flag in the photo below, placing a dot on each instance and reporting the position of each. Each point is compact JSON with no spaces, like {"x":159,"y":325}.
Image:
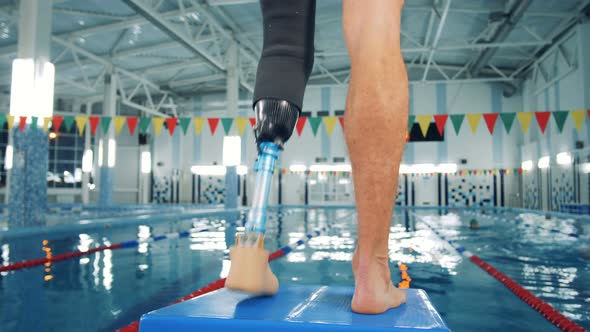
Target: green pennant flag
{"x":470,"y":172}
{"x":508,"y":120}
{"x":34,"y":121}
{"x":69,"y":122}
{"x":315,"y":124}
{"x":411,"y":120}
{"x":2,"y":120}
{"x":105,"y":122}
{"x":227,"y":123}
{"x":184,"y":123}
{"x":457,"y":120}
{"x":560,"y":117}
{"x":144,"y":124}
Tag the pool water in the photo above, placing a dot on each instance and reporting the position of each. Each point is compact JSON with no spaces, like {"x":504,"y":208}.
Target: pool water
{"x":107,"y":290}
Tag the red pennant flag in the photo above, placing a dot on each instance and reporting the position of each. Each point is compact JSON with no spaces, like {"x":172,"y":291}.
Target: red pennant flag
{"x":490,"y":119}
{"x":132,"y":124}
{"x":441,"y":121}
{"x":213,"y":122}
{"x":588,"y":112}
{"x":23,"y":123}
{"x":543,"y":119}
{"x":300,"y":125}
{"x":341,"y":119}
{"x":520,"y":171}
{"x":57,"y":120}
{"x":171,"y":124}
{"x":253,"y":122}
{"x":94,"y":120}
{"x":474,"y":172}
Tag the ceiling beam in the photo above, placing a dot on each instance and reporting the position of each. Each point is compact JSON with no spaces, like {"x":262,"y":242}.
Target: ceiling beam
{"x":512,"y":18}
{"x":439,"y":30}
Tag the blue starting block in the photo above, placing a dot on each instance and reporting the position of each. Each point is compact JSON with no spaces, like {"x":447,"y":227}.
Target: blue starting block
{"x":294,"y":307}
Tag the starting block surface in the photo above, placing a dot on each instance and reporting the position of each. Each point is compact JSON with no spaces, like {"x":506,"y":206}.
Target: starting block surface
{"x":293,"y":308}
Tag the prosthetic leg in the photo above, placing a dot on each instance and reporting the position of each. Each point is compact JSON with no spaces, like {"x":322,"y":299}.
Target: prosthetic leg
{"x":284,"y":68}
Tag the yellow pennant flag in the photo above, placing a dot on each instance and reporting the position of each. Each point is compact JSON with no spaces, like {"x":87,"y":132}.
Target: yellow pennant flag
{"x":525,"y":120}
{"x":424,"y":122}
{"x":198,"y":125}
{"x":330,"y":123}
{"x":46,"y":122}
{"x":158,"y":123}
{"x":119,"y":123}
{"x":578,"y":117}
{"x":241,"y":123}
{"x":10,"y":121}
{"x":473,"y":120}
{"x":81,"y":123}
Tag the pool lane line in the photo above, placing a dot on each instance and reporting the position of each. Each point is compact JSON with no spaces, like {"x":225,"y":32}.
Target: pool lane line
{"x":544,"y":308}
{"x":220,"y":283}
{"x":552,"y":230}
{"x":123,"y":245}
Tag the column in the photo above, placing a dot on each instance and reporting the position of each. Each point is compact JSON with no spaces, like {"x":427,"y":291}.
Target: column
{"x":232,"y":87}
{"x":31,"y":97}
{"x":583,"y":35}
{"x":107,"y":144}
{"x":87,"y":160}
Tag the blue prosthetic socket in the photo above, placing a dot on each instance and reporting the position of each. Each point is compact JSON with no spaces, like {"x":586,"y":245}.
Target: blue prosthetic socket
{"x":264,"y":168}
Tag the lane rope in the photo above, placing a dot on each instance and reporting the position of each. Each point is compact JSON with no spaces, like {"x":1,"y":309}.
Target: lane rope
{"x":544,"y":308}
{"x":123,"y":245}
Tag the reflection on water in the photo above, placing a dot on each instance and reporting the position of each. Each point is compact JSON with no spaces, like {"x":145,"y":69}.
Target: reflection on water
{"x":106,"y":290}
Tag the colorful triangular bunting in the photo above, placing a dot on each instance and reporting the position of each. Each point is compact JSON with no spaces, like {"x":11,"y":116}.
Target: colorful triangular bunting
{"x":241,"y":124}
{"x":473,"y":119}
{"x":132,"y":124}
{"x":424,"y":122}
{"x":457,"y":120}
{"x":441,"y":120}
{"x":171,"y":124}
{"x":119,"y":123}
{"x":578,"y":117}
{"x":81,"y":121}
{"x":490,"y":119}
{"x":508,"y":120}
{"x":46,"y":122}
{"x":330,"y":123}
{"x":144,"y":124}
{"x":227,"y":123}
{"x":300,"y":125}
{"x":56,"y":123}
{"x":94,"y":120}
{"x":560,"y":117}
{"x":184,"y":123}
{"x":542,"y":120}
{"x":315,"y":122}
{"x":198,"y":123}
{"x":213,"y":122}
{"x":158,"y":123}
{"x":105,"y":123}
{"x":69,"y":122}
{"x":525,"y":120}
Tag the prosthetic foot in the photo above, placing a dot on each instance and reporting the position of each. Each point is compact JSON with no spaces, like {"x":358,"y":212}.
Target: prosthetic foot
{"x":249,"y":271}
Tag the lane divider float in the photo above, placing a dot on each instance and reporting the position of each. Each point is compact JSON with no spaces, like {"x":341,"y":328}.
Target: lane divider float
{"x":544,"y":308}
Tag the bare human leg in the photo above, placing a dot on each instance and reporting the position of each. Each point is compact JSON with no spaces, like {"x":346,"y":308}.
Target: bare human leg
{"x":375,"y":129}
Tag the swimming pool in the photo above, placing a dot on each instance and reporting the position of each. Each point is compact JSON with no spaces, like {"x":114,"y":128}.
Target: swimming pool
{"x":109,"y":289}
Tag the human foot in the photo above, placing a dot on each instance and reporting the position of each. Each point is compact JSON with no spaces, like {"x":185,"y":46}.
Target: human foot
{"x":374,"y":293}
{"x":249,"y":271}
